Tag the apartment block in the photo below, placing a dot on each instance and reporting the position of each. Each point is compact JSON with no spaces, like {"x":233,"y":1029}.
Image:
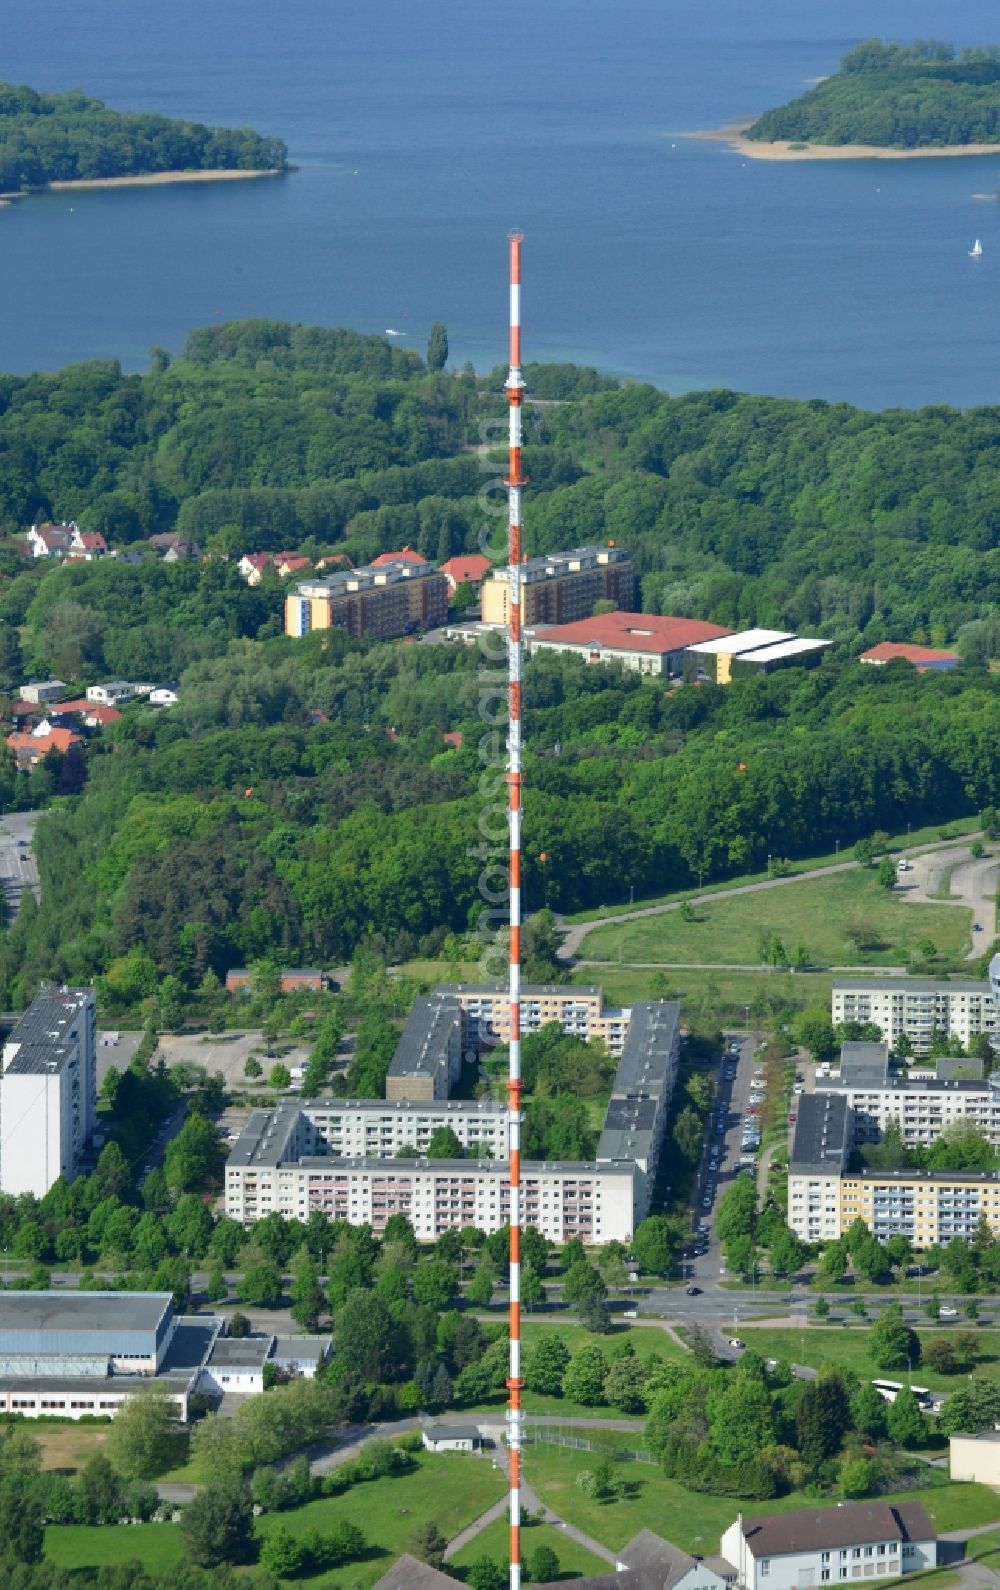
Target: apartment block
{"x":381,"y":603}
{"x":342,"y":1156}
{"x":825,"y":1196}
{"x":922,"y":1107}
{"x":48,"y":1090}
{"x":428,"y":1059}
{"x":579,"y":1011}
{"x":918,"y":1007}
{"x":563,"y":1200}
{"x":562,"y":587}
{"x":820,"y":1151}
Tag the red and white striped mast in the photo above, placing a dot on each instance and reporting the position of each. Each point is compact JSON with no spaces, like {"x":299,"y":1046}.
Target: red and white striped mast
{"x":514,"y":482}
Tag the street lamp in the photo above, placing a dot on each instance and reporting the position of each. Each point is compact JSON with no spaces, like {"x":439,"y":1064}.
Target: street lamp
{"x":769,"y":863}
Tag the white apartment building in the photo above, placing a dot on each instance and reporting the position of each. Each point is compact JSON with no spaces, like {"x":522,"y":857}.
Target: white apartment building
{"x":918,"y":1007}
{"x":827,"y":1545}
{"x":579,"y":1011}
{"x":923,"y":1108}
{"x":563,"y":1200}
{"x":48,"y":1090}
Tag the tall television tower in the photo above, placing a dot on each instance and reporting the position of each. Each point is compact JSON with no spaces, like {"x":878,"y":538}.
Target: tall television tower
{"x":514,"y":482}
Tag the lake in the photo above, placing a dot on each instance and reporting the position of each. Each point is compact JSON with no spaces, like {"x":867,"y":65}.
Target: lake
{"x":424,"y":131}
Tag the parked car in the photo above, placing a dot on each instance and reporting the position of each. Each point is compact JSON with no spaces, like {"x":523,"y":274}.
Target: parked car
{"x":734,"y":1341}
{"x":694,"y":1291}
{"x":706,"y":1202}
{"x":946,"y":1312}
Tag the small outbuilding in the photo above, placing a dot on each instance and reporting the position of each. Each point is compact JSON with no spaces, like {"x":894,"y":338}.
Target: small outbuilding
{"x":451,"y":1438}
{"x":975,"y":1457}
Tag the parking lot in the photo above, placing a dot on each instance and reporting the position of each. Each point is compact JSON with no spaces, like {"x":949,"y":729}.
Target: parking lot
{"x":228,"y":1052}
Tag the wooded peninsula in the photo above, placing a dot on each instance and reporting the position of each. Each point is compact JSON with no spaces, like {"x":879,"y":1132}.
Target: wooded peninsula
{"x":69,"y":137}
{"x":895,"y":96}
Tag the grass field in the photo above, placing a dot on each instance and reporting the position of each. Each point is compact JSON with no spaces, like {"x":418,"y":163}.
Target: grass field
{"x":724,"y":995}
{"x":69,"y":1446}
{"x":897,"y":844}
{"x":449,"y":1489}
{"x":848,"y":1349}
{"x":493,"y":1542}
{"x":816,"y":913}
{"x":157,"y":1546}
{"x":693,"y":1521}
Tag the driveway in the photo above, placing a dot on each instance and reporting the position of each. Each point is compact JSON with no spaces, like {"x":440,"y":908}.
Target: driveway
{"x":973,"y":885}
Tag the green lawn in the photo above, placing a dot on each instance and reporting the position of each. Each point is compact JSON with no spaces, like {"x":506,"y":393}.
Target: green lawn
{"x":848,"y":1349}
{"x":450,"y":1489}
{"x":574,"y":1560}
{"x":721,"y":997}
{"x":898,"y":844}
{"x":816,"y":913}
{"x":693,"y":1521}
{"x":157,"y":1546}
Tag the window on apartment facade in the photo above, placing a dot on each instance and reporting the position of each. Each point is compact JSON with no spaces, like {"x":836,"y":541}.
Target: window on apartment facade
{"x":824,"y":1573}
{"x":825,"y":1557}
{"x":765,"y":1567}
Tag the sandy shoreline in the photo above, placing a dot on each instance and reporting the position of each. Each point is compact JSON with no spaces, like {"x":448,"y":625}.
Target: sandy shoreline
{"x":154,"y":179}
{"x":782,"y":149}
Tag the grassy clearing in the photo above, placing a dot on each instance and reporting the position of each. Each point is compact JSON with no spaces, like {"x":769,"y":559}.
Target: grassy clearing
{"x":574,"y":1560}
{"x":726,"y":994}
{"x":817,"y":914}
{"x":897,"y":844}
{"x":71,"y":1446}
{"x":695,"y":1522}
{"x":450,"y":1489}
{"x":157,"y":1546}
{"x":843,"y":1348}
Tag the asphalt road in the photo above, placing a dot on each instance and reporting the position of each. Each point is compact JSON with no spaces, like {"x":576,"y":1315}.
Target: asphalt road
{"x":17,"y":863}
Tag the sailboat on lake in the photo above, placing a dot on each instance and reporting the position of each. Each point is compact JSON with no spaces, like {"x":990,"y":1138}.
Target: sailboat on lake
{"x":976,"y":250}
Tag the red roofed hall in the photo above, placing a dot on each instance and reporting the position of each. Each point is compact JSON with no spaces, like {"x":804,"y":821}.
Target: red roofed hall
{"x":648,"y":643}
{"x":406,"y":555}
{"x":470,"y":569}
{"x":923,"y":658}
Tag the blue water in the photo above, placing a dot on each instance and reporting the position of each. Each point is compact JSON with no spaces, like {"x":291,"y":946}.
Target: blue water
{"x":424,"y":129}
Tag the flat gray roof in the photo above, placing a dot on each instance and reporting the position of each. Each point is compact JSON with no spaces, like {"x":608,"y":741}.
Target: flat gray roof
{"x":821,"y":1134}
{"x":628,"y":1129}
{"x":239,"y":1352}
{"x":471,"y":1167}
{"x":433,"y":1028}
{"x":909,"y":985}
{"x":82,"y":1311}
{"x":300,"y":1349}
{"x":647,"y":1053}
{"x":42,"y":1034}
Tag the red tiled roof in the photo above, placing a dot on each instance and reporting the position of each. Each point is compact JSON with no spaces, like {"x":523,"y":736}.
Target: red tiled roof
{"x":98,"y":714}
{"x":466,"y":570}
{"x":291,"y":562}
{"x":649,"y":632}
{"x":56,"y":739}
{"x":454,"y":737}
{"x":256,"y":560}
{"x":889,"y":650}
{"x":407,"y":555}
{"x":93,"y":540}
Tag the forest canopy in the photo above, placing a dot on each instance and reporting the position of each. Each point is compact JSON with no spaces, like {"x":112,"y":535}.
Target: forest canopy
{"x":71,"y":138}
{"x":913,"y":96}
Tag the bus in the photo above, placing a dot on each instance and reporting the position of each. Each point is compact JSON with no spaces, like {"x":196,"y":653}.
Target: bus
{"x":890,"y":1389}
